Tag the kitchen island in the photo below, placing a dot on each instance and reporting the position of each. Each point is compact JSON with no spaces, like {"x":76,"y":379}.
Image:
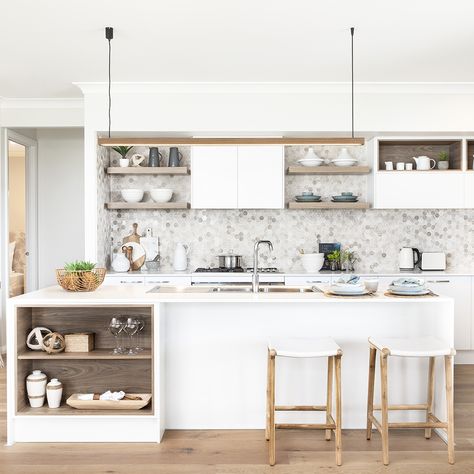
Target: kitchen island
{"x":205,"y":361}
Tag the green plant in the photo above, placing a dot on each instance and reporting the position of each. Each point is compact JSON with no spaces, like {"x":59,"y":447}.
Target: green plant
{"x":334,"y":256}
{"x":443,"y":156}
{"x":79,"y":266}
{"x":122,"y":150}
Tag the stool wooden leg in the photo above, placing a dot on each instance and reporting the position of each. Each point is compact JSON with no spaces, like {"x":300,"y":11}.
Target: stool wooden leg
{"x":271,"y":445}
{"x":448,"y":369}
{"x":329,"y":395}
{"x":267,"y":411}
{"x":429,"y":403}
{"x":370,"y":391}
{"x":338,"y":411}
{"x":384,"y":403}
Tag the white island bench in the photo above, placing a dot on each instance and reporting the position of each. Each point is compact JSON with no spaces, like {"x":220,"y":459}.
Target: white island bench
{"x":205,"y":362}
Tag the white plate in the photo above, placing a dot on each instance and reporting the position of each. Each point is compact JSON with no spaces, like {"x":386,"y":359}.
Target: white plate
{"x":344,"y":292}
{"x":311,"y":162}
{"x":409,"y":293}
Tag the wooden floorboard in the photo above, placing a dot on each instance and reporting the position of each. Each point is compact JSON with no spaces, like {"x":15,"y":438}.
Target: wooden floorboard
{"x":245,"y":451}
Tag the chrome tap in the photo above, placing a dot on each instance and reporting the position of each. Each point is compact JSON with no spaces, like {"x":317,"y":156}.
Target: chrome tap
{"x":255,"y":278}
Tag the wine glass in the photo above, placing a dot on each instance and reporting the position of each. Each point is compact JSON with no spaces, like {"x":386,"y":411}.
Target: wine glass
{"x":141,"y":326}
{"x":131,"y":328}
{"x":115,"y":328}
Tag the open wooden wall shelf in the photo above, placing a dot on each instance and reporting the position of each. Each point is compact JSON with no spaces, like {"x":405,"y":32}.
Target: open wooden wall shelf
{"x":328,"y":205}
{"x":301,"y":170}
{"x":97,"y":354}
{"x":166,"y":170}
{"x":147,"y":205}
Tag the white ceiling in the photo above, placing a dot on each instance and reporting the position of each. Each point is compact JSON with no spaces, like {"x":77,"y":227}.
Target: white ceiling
{"x":47,"y":45}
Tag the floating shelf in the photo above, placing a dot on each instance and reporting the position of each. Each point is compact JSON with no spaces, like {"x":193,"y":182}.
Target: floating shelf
{"x":165,"y":141}
{"x":97,"y":354}
{"x":66,"y":410}
{"x":328,"y":170}
{"x":147,"y":205}
{"x":177,"y":170}
{"x":328,"y":205}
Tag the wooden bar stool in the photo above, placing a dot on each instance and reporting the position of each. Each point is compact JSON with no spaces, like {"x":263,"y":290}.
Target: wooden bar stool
{"x":305,"y":348}
{"x":411,"y":347}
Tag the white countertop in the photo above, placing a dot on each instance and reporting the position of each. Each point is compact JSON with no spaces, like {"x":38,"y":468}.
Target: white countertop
{"x":136,"y":295}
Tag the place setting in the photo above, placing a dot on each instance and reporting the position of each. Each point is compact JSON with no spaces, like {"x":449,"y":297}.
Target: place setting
{"x":403,"y":287}
{"x":351,"y":286}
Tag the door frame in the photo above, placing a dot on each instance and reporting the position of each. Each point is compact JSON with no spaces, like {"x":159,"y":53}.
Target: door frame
{"x":31,"y":218}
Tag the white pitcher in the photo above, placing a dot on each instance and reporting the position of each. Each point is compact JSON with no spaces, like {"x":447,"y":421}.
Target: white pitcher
{"x":423,"y":162}
{"x":180,"y":260}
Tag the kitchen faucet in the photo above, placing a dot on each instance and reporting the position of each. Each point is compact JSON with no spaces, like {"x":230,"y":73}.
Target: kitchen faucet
{"x":255,"y":278}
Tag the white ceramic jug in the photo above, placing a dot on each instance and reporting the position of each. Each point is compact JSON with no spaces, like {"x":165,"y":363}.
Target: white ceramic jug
{"x":180,"y":260}
{"x":424,"y":162}
{"x":120,"y":263}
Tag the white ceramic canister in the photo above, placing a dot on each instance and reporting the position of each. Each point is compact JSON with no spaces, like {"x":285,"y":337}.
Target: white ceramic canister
{"x":36,"y":388}
{"x":120,"y":263}
{"x":54,"y":393}
{"x":180,"y":260}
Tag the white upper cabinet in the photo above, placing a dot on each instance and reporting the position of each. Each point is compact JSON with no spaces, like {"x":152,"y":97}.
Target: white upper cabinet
{"x":214,"y":177}
{"x":469,"y":189}
{"x":260,"y":177}
{"x":237,"y":177}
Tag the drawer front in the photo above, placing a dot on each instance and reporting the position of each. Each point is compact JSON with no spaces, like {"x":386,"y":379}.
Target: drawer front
{"x":169,"y":280}
{"x":307,"y":280}
{"x":123,"y":280}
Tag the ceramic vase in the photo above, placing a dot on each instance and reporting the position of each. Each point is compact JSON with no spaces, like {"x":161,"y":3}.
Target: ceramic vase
{"x":54,"y":393}
{"x":443,"y":165}
{"x":124,"y":162}
{"x":120,"y":263}
{"x":36,"y":388}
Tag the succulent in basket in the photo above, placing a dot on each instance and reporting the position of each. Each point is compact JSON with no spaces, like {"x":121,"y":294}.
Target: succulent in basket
{"x":80,"y":276}
{"x":122,"y":150}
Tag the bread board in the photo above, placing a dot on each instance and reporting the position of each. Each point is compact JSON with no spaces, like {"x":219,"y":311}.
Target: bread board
{"x":74,"y":402}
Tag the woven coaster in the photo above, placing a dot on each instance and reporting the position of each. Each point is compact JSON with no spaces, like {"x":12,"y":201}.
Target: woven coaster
{"x":367,"y":296}
{"x":429,"y":295}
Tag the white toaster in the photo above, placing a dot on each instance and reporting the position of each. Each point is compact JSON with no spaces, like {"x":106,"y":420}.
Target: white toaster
{"x":433,"y":261}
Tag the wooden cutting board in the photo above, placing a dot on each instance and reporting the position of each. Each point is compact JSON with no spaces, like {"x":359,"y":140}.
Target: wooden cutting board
{"x":134,"y":236}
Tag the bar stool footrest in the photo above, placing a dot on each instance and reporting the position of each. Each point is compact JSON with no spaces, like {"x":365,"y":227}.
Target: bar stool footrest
{"x":305,"y":426}
{"x":300,"y":408}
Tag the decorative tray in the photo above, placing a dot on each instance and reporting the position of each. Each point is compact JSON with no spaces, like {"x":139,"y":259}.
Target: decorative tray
{"x":135,"y":402}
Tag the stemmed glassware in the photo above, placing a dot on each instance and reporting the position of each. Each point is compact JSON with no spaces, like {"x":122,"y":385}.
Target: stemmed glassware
{"x":115,"y":328}
{"x":131,"y":328}
{"x":141,"y":326}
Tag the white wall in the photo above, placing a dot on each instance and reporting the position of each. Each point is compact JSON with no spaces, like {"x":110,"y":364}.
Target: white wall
{"x":60,"y":199}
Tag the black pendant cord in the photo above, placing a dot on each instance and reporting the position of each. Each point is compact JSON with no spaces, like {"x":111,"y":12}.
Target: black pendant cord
{"x":109,"y":34}
{"x":352,"y":80}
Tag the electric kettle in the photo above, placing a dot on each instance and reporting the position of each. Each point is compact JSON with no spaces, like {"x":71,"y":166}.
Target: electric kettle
{"x":408,"y":258}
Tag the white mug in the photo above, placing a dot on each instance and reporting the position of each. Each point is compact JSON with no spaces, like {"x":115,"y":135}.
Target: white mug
{"x":389,"y":165}
{"x":400,"y":166}
{"x":409,"y":166}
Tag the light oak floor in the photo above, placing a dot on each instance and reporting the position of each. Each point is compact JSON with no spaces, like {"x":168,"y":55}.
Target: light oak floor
{"x":245,"y":452}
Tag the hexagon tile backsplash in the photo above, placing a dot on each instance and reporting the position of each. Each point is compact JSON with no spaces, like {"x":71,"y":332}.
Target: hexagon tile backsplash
{"x":375,"y":235}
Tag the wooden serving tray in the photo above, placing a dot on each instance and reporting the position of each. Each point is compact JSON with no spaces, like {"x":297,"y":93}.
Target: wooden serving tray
{"x":73,"y":401}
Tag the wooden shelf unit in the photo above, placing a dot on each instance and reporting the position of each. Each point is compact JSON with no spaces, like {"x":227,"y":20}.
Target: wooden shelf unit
{"x":403,"y":151}
{"x":470,"y":155}
{"x":92,"y":372}
{"x":328,"y":205}
{"x":150,"y":170}
{"x":147,"y":205}
{"x":97,"y":354}
{"x":322,"y":170}
{"x":66,"y":410}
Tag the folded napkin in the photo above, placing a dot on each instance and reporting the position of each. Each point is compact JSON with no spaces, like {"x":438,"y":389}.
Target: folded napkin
{"x":348,"y":280}
{"x":408,"y":282}
{"x":108,"y":395}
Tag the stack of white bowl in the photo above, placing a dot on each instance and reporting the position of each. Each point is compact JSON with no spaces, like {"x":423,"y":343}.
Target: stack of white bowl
{"x":161,"y":194}
{"x":132,"y":195}
{"x":312,"y":262}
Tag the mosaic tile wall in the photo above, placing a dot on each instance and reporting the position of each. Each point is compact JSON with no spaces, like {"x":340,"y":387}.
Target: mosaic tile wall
{"x":375,"y":235}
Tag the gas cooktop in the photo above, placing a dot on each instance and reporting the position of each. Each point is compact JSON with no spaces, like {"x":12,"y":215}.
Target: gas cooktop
{"x":236,"y":270}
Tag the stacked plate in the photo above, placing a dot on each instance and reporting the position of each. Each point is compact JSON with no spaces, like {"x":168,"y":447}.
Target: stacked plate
{"x":408,"y":287}
{"x":311,"y":161}
{"x":349,"y":286}
{"x":308,"y":197}
{"x":345,"y":197}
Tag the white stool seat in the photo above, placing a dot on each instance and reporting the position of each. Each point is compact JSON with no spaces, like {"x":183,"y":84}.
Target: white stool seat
{"x":412,"y":347}
{"x":304,"y":347}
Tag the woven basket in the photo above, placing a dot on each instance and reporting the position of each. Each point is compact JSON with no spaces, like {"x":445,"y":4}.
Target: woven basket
{"x":81,"y":280}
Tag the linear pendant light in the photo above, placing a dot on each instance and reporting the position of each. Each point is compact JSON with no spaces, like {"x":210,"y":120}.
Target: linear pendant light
{"x":109,"y":36}
{"x":183,"y":141}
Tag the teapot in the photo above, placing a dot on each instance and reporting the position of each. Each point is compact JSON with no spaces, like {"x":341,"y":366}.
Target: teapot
{"x":423,"y":162}
{"x":180,"y":260}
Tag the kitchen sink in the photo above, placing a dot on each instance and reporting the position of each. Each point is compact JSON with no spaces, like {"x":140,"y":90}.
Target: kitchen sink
{"x":262,"y":289}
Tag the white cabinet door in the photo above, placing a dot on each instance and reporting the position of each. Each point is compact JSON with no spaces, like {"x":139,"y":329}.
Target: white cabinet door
{"x":419,"y":190}
{"x":469,"y":189}
{"x":169,"y":280}
{"x":261,"y":177}
{"x":214,"y":177}
{"x":123,"y":280}
{"x":307,"y":280}
{"x":460,"y":289}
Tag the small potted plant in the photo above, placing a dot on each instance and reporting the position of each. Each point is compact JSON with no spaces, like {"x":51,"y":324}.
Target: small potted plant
{"x":334,"y":260}
{"x":348,"y":258}
{"x":80,"y":276}
{"x":443,"y":163}
{"x":123,"y":152}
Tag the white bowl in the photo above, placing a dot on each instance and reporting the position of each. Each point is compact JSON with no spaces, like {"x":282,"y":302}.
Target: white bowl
{"x":132,"y":195}
{"x":311,"y":162}
{"x":342,"y":162}
{"x":161,"y":194}
{"x":312,"y":262}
